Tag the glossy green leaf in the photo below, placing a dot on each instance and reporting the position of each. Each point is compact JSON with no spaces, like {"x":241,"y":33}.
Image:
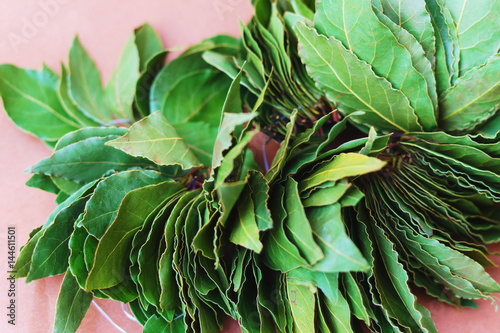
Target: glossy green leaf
{"x":23,"y":261}
{"x":67,"y":102}
{"x":31,"y":101}
{"x":86,"y":86}
{"x":300,"y":7}
{"x":473,"y":99}
{"x":145,"y":81}
{"x":461,"y":265}
{"x":149,"y":255}
{"x":337,"y":313}
{"x":354,"y":295}
{"x":88,"y":132}
{"x":188,"y":62}
{"x":120,"y":90}
{"x":124,"y":292}
{"x":50,"y":256}
{"x":342,"y":166}
{"x":414,"y":18}
{"x":114,"y":246}
{"x":232,"y":162}
{"x":89,"y":248}
{"x":43,"y":182}
{"x":478,"y":30}
{"x":419,"y":60}
{"x":170,"y":75}
{"x":327,"y":196}
{"x":301,"y":297}
{"x":83,"y":191}
{"x":230,"y":122}
{"x":72,"y":305}
{"x":491,"y":127}
{"x":280,"y":158}
{"x":61,"y":197}
{"x":140,"y":313}
{"x":361,"y":32}
{"x":352,"y":197}
{"x":340,"y":252}
{"x":228,"y":65}
{"x":280,"y":254}
{"x":447,"y":46}
{"x":77,"y":256}
{"x":260,"y":197}
{"x":87,"y":160}
{"x":412,"y":314}
{"x":148,"y":44}
{"x":326,"y":282}
{"x":245,"y":231}
{"x":379,"y":313}
{"x":228,"y":194}
{"x":442,"y":273}
{"x":352,"y":84}
{"x":255,"y":67}
{"x":197,"y":97}
{"x":302,"y":160}
{"x":159,"y":325}
{"x":297,"y":225}
{"x":157,"y":140}
{"x":200,"y":138}
{"x":169,"y":296}
{"x":103,"y":206}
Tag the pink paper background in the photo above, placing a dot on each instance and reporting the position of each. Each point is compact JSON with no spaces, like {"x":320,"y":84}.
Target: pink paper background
{"x":104,"y":27}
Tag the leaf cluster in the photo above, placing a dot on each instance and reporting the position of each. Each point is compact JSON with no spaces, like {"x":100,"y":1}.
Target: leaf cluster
{"x":387,"y":175}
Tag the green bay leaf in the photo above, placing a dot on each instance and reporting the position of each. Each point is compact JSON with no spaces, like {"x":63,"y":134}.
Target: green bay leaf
{"x":72,"y":305}
{"x":281,"y":254}
{"x":297,"y":225}
{"x":413,"y":16}
{"x":352,"y":84}
{"x":412,"y":314}
{"x":120,"y":90}
{"x":245,"y":231}
{"x":447,"y":46}
{"x":31,"y":101}
{"x":301,"y":298}
{"x":148,"y":44}
{"x":23,"y":261}
{"x":157,"y":140}
{"x":145,"y":82}
{"x":102,"y":208}
{"x":85,"y":85}
{"x":473,"y":99}
{"x":342,"y":166}
{"x":50,"y":256}
{"x":478,"y":29}
{"x":43,"y":182}
{"x":355,"y":24}
{"x":87,"y":160}
{"x":340,"y":252}
{"x":67,"y":102}
{"x":112,"y":253}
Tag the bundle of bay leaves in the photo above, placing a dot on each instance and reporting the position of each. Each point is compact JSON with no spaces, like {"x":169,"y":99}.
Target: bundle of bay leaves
{"x":387,"y":175}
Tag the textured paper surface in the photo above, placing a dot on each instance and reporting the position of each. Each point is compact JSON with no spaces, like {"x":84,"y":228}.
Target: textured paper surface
{"x":104,"y":27}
